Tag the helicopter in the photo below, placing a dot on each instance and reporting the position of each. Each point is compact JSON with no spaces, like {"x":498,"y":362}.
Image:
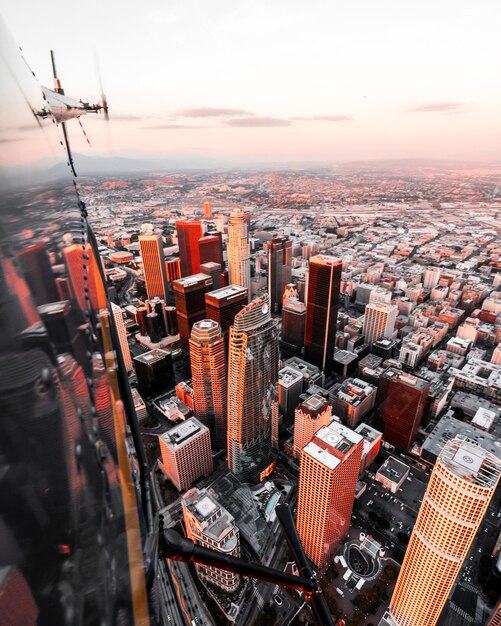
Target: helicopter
{"x":62,"y":108}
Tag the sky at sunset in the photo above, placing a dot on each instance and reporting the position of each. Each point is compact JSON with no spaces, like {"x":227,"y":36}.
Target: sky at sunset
{"x":267,"y":80}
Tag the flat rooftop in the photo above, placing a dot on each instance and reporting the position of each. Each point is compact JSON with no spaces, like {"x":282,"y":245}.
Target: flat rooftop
{"x":393,"y":469}
{"x":288,"y":376}
{"x":229,"y":292}
{"x":321,"y":455}
{"x":152,"y":356}
{"x":471,"y":462}
{"x":367,"y":432}
{"x":183,"y":432}
{"x":449,"y":427}
{"x":338,"y":437}
{"x":408,"y":379}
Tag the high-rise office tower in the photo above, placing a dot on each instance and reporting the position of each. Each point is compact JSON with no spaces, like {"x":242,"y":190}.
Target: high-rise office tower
{"x":293,"y":323}
{"x":38,"y":273}
{"x":210,"y":525}
{"x":171,"y":320}
{"x":122,"y":335}
{"x":154,"y":371}
{"x":324,"y":281}
{"x":401,"y":400}
{"x":207,"y":210}
{"x":252,"y":388}
{"x":141,"y":313}
{"x":153,"y":325}
{"x":290,"y":387}
{"x":461,"y":487}
{"x":210,"y":248}
{"x":186,"y":453}
{"x":152,"y":253}
{"x":189,"y":295}
{"x":279,"y":253}
{"x":238,"y":251}
{"x":208,"y":375}
{"x":173,"y":269}
{"x":188,"y":234}
{"x":310,"y":416}
{"x":379,"y":321}
{"x":221,"y":305}
{"x":214,"y":271}
{"x":431,"y":277}
{"x":328,"y":472}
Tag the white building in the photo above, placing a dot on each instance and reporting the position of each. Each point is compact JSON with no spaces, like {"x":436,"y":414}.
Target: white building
{"x":211,"y":526}
{"x":379,"y":321}
{"x":186,"y":453}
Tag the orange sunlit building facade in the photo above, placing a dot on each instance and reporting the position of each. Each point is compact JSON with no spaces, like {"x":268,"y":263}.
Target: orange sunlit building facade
{"x":208,"y":377}
{"x":152,"y":253}
{"x":328,"y":472}
{"x":188,"y":234}
{"x":461,"y":487}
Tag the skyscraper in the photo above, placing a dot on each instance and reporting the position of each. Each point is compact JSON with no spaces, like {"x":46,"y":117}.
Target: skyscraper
{"x":210,"y":248}
{"x":122,"y":335}
{"x":207,"y":210}
{"x":310,"y":416}
{"x":461,"y":487}
{"x":189,"y":295}
{"x":152,"y":253}
{"x":210,"y":525}
{"x":238,"y":251}
{"x":279,"y":253}
{"x":252,"y":387}
{"x":293,"y":323}
{"x":324,"y":281}
{"x":328,"y":472}
{"x":186,"y":453}
{"x":208,"y":372}
{"x":223,"y":304}
{"x":379,"y":321}
{"x":401,"y":400}
{"x":214,"y":271}
{"x":188,"y":234}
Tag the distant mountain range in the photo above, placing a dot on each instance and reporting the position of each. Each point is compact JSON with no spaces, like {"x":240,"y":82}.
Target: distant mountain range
{"x":50,"y":171}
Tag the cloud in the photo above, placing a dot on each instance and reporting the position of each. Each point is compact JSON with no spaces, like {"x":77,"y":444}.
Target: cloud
{"x":212,"y":112}
{"x":126,"y":118}
{"x":323,"y":118}
{"x":436,"y":107}
{"x":253,"y":122}
{"x":172,"y":127}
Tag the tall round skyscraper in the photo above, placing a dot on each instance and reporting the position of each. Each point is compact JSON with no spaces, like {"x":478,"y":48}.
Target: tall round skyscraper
{"x":461,"y":487}
{"x":238,"y":250}
{"x":252,"y":388}
{"x":208,"y":373}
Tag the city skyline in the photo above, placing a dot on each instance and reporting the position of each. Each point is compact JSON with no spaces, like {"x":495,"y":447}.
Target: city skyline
{"x":387,"y":83}
{"x":233,"y":366}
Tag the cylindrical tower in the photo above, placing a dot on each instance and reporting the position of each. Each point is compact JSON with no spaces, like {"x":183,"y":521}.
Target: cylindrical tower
{"x":208,"y":370}
{"x":238,"y":251}
{"x":252,"y":388}
{"x":461,"y":486}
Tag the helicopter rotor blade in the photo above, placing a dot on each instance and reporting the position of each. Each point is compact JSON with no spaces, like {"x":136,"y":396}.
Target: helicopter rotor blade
{"x":104,"y":99}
